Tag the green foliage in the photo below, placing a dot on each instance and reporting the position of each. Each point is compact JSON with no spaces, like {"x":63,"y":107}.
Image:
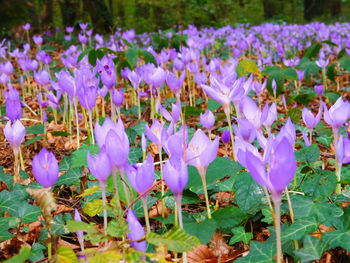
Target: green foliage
{"x":66,"y":254}
{"x":196,"y":229}
{"x":176,"y":240}
{"x":23,"y":255}
{"x":246,"y":67}
{"x":279,"y":75}
{"x":260,"y":252}
{"x":239,"y":234}
{"x":312,"y":250}
{"x":308,"y":154}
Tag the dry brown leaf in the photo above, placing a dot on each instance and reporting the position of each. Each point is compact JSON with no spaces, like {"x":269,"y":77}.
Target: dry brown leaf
{"x":219,"y":246}
{"x":156,"y":210}
{"x":201,"y":254}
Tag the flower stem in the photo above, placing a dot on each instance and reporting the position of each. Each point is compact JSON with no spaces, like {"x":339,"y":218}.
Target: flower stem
{"x":145,"y":211}
{"x":104,"y":200}
{"x":228,"y":118}
{"x":277,"y":203}
{"x":77,"y":121}
{"x":161,"y":176}
{"x":91,"y":128}
{"x":178,"y":201}
{"x":115,"y":182}
{"x":126,"y":192}
{"x":291,"y":212}
{"x":138,"y":103}
{"x":204,"y":182}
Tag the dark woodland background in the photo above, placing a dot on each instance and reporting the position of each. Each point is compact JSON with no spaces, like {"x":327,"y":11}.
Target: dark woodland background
{"x":149,"y":15}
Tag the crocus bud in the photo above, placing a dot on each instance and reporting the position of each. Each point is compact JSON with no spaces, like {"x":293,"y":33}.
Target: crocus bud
{"x":45,"y":168}
{"x":118,"y":97}
{"x":226,"y":136}
{"x":101,"y":131}
{"x":338,"y":114}
{"x":176,"y":175}
{"x":319,"y":89}
{"x":80,"y":234}
{"x":309,"y":119}
{"x":143,"y":143}
{"x":207,"y":119}
{"x":136,"y":232}
{"x":38,"y":40}
{"x":14,"y":134}
{"x":141,"y":176}
{"x":100,"y":166}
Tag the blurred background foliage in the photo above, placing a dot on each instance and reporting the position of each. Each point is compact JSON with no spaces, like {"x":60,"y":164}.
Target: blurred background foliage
{"x":150,"y":15}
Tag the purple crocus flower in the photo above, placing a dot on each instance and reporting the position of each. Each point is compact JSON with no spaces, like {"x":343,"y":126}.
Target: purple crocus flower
{"x":322,"y":63}
{"x":157,"y":77}
{"x":117,"y":145}
{"x":287,"y":131}
{"x":207,"y":119}
{"x":14,"y":134}
{"x":252,"y":112}
{"x":309,"y":119}
{"x":201,"y":151}
{"x":156,"y":133}
{"x":13,"y":104}
{"x":69,"y":29}
{"x":100,"y":166}
{"x":7,"y":68}
{"x":245,"y":130}
{"x":343,"y":150}
{"x":82,"y":38}
{"x":107,"y":71}
{"x":118,"y":97}
{"x":45,"y":168}
{"x":176,"y":175}
{"x":136,"y":232}
{"x":87,"y":97}
{"x":319,"y":89}
{"x":38,"y":40}
{"x":26,"y":26}
{"x":141,"y":176}
{"x":281,"y":165}
{"x":83,"y":26}
{"x":175,"y":83}
{"x":102,"y":131}
{"x":42,"y":77}
{"x":226,"y":137}
{"x":269,"y":115}
{"x":337,"y":114}
{"x":67,"y":83}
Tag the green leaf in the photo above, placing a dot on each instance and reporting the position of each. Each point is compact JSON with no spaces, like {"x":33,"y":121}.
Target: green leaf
{"x":94,"y":207}
{"x":277,"y":74}
{"x":260,"y":252}
{"x":319,"y":184}
{"x":71,"y":177}
{"x":132,"y":55}
{"x":213,"y":105}
{"x":5,"y":224}
{"x":218,"y":169}
{"x":60,"y":133}
{"x":337,"y":238}
{"x":295,"y":115}
{"x":21,"y":257}
{"x":7,"y":202}
{"x":92,"y":57}
{"x":79,"y":156}
{"x":196,"y":229}
{"x":239,"y":235}
{"x":135,"y":154}
{"x":83,"y":54}
{"x":290,"y":74}
{"x":35,"y":129}
{"x":148,"y":57}
{"x":313,"y":249}
{"x":66,"y":254}
{"x":229,"y":217}
{"x":300,"y":228}
{"x":59,"y":224}
{"x":37,"y":252}
{"x":248,"y":194}
{"x":90,"y":191}
{"x":331,"y":71}
{"x":308,"y":154}
{"x":28,"y":213}
{"x":138,"y":206}
{"x":117,"y":228}
{"x":176,"y":239}
{"x":312,"y":51}
{"x":6,"y":178}
{"x":245,"y":67}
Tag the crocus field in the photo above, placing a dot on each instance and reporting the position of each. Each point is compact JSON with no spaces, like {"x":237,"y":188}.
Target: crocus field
{"x":199,"y":145}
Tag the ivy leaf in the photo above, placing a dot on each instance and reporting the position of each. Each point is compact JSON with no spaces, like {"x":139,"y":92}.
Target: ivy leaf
{"x":117,"y":228}
{"x":94,"y":207}
{"x":35,"y":129}
{"x":196,"y":229}
{"x":132,"y":55}
{"x":37,"y":252}
{"x":248,"y":194}
{"x":229,"y":217}
{"x":337,"y":238}
{"x":28,"y":213}
{"x":176,"y":239}
{"x":79,"y":156}
{"x":66,"y":254}
{"x":71,"y":177}
{"x":260,"y":252}
{"x":308,"y":154}
{"x":6,"y":178}
{"x":21,"y":257}
{"x":313,"y":249}
{"x":7,"y":202}
{"x":239,"y":234}
{"x":5,"y":224}
{"x":300,"y":228}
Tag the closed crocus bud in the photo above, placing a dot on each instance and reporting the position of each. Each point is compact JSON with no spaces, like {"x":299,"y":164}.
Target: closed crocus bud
{"x":7,"y":68}
{"x":143,"y":143}
{"x":26,"y":27}
{"x":118,"y":97}
{"x":156,"y":133}
{"x":207,"y":119}
{"x":245,"y":130}
{"x":100,"y":166}
{"x":13,"y":105}
{"x":176,"y":175}
{"x":87,"y":97}
{"x":226,"y":136}
{"x":157,"y":77}
{"x":42,"y":77}
{"x":101,"y":131}
{"x":45,"y":168}
{"x":343,"y":150}
{"x":338,"y":114}
{"x":269,"y":115}
{"x":136,"y":232}
{"x":287,"y":131}
{"x":141,"y":176}
{"x":322,"y":63}
{"x":309,"y":119}
{"x":319,"y":89}
{"x":80,"y":234}
{"x":14,"y":134}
